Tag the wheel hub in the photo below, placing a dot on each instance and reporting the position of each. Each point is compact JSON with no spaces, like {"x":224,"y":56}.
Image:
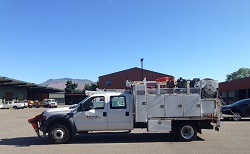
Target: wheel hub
{"x":58,"y":134}
{"x":237,"y":117}
{"x":187,"y":132}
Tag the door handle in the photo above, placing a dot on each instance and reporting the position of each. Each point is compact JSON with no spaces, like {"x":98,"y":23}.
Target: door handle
{"x":127,"y":114}
{"x":104,"y":114}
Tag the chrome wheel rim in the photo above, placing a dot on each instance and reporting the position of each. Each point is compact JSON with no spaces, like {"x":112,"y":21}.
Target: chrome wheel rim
{"x":187,"y":132}
{"x":236,"y":117}
{"x":58,"y":134}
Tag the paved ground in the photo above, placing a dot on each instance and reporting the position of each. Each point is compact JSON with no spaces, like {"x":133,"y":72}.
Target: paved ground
{"x":17,"y":136}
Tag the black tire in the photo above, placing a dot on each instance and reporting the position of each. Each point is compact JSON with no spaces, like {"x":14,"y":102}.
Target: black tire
{"x":14,"y":107}
{"x":237,"y":116}
{"x":186,"y":131}
{"x":59,"y":134}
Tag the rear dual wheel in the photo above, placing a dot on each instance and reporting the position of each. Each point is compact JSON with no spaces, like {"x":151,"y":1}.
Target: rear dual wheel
{"x":186,"y":131}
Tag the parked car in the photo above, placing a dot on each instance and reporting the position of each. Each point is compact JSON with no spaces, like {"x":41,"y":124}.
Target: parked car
{"x":1,"y":106}
{"x":30,"y":103}
{"x":26,"y":104}
{"x":38,"y":103}
{"x":237,"y":110}
{"x":14,"y":105}
{"x":35,"y":104}
{"x":49,"y":103}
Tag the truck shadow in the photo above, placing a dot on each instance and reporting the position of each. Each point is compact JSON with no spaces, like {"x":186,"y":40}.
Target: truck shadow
{"x":97,"y":138}
{"x":230,"y":120}
{"x":101,"y":138}
{"x":24,"y":141}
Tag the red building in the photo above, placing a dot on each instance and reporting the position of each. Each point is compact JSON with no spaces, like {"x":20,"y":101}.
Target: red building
{"x":117,"y":80}
{"x":235,"y":90}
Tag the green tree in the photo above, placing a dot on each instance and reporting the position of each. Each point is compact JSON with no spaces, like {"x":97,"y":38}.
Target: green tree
{"x":239,"y":74}
{"x":91,"y":86}
{"x":79,"y":91}
{"x":70,"y":87}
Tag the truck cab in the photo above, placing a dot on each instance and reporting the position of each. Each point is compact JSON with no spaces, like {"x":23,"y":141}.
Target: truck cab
{"x":99,"y":112}
{"x":105,"y":112}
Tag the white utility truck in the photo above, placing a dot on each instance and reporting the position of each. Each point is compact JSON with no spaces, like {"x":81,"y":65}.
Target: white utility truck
{"x":183,"y":110}
{"x":13,"y":104}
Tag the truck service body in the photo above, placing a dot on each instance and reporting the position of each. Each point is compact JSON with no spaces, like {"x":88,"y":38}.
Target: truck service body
{"x":181,"y":111}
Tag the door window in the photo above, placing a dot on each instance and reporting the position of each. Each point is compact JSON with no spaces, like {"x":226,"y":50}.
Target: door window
{"x":117,"y":102}
{"x":94,"y":103}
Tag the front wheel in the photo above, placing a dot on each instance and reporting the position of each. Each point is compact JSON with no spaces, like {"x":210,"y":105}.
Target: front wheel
{"x":186,"y":131}
{"x":59,"y":134}
{"x":237,"y":117}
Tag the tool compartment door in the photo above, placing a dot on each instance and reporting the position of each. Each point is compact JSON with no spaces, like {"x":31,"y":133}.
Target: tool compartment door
{"x":192,"y":105}
{"x":155,"y":106}
{"x":140,"y":103}
{"x":208,"y":106}
{"x":173,"y":105}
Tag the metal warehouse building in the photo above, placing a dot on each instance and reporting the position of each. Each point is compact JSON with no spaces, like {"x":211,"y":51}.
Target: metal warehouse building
{"x":17,"y":91}
{"x":117,"y":80}
{"x":235,"y":90}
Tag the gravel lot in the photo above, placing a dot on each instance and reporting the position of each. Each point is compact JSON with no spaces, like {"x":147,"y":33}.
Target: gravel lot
{"x":17,"y":136}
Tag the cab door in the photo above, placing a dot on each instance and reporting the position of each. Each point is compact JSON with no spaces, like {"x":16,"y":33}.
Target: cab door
{"x":94,"y":115}
{"x":120,"y":115}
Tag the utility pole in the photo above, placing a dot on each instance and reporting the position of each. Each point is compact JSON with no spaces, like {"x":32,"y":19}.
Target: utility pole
{"x":142,"y":68}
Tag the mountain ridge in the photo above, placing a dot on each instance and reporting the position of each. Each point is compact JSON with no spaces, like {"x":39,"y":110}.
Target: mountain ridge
{"x":60,"y":83}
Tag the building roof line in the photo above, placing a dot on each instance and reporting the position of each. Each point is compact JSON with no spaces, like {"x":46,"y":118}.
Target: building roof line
{"x":135,"y":68}
{"x":22,"y":84}
{"x":235,"y":80}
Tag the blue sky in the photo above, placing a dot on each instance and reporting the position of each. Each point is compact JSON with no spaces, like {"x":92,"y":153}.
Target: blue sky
{"x":85,"y":39}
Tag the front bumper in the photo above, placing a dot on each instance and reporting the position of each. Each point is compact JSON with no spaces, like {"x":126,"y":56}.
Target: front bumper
{"x":227,"y":115}
{"x":43,"y":125}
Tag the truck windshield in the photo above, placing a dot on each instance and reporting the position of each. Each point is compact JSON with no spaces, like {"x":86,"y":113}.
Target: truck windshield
{"x":76,"y":105}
